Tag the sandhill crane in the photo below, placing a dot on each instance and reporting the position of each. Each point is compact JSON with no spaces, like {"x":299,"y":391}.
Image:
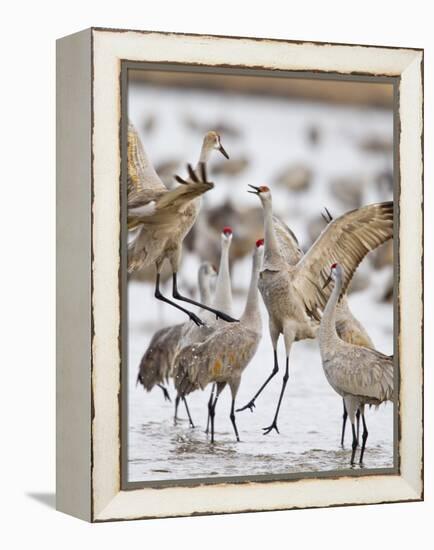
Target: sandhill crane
{"x":223,"y":290}
{"x":163,"y":218}
{"x":347,"y":326}
{"x":222,"y":301}
{"x":350,"y":330}
{"x":292,"y":295}
{"x":156,"y":365}
{"x":224,"y":355}
{"x":223,"y":293}
{"x":360,"y":375}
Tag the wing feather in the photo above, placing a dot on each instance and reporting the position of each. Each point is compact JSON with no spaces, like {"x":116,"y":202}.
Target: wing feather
{"x":346,"y":240}
{"x":369,"y":374}
{"x":288,"y":242}
{"x":225,"y":353}
{"x":141,"y":173}
{"x":157,"y":362}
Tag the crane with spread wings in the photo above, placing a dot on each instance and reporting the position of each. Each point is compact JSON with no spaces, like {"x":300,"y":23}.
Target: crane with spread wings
{"x":292,"y":289}
{"x":162,"y":217}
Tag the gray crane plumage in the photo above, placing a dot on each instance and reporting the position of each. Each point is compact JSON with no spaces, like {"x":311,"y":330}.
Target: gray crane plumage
{"x":350,"y":330}
{"x":162,"y":218}
{"x":293,"y":293}
{"x":222,"y":357}
{"x":157,"y":364}
{"x":361,"y":376}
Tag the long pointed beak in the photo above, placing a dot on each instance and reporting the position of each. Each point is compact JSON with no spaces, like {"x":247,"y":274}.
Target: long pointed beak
{"x":327,"y":217}
{"x":256,"y":189}
{"x":328,"y":281}
{"x":223,"y":151}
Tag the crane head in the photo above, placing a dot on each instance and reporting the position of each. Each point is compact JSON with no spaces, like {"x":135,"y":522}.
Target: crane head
{"x":263,"y":192}
{"x":212,"y":140}
{"x":335,"y":270}
{"x":227,"y":234}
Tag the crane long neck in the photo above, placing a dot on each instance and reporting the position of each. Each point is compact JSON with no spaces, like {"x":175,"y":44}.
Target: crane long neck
{"x":205,"y":154}
{"x":204,"y":288}
{"x":327,"y":330}
{"x":223,"y":291}
{"x":272,"y":251}
{"x":251,"y":315}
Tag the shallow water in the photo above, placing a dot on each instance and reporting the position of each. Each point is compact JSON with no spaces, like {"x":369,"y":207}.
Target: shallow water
{"x":309,"y":423}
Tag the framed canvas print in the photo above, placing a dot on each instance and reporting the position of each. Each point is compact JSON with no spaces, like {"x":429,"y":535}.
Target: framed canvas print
{"x":239,"y":274}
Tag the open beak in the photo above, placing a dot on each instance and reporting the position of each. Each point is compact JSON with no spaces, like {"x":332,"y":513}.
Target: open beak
{"x":256,"y":189}
{"x":328,"y":281}
{"x":223,"y":151}
{"x":327,"y":217}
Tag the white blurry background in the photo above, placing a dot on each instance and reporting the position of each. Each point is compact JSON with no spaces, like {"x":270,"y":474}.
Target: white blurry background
{"x":28,"y":482}
{"x":333,"y":150}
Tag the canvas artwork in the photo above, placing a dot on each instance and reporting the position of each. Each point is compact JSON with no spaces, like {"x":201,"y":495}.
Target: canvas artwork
{"x":258,"y":256}
{"x":239,"y":324}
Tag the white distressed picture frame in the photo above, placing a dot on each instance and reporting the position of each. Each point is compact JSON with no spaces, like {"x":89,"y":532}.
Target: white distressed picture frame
{"x":88,"y":273}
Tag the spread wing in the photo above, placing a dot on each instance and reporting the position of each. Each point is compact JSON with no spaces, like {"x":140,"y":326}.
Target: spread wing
{"x":349,"y":328}
{"x":144,"y":197}
{"x":162,"y":207}
{"x":346,"y":240}
{"x":141,"y":173}
{"x":288,"y":242}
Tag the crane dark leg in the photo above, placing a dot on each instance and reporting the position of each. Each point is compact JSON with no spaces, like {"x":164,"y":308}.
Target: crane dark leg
{"x":159,"y":296}
{"x":212,"y":409}
{"x":211,"y":397}
{"x":355,"y":444}
{"x":251,"y":404}
{"x":175,"y":416}
{"x":232,"y":417}
{"x":165,"y":392}
{"x":364,"y":438}
{"x":178,"y":296}
{"x":188,"y":412}
{"x":344,"y":422}
{"x":273,"y":425}
{"x":212,"y":406}
{"x":210,"y":412}
{"x":358,"y":425}
{"x":212,"y":415}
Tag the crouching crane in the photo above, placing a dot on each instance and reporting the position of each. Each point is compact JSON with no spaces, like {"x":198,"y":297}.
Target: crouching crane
{"x":157,"y":363}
